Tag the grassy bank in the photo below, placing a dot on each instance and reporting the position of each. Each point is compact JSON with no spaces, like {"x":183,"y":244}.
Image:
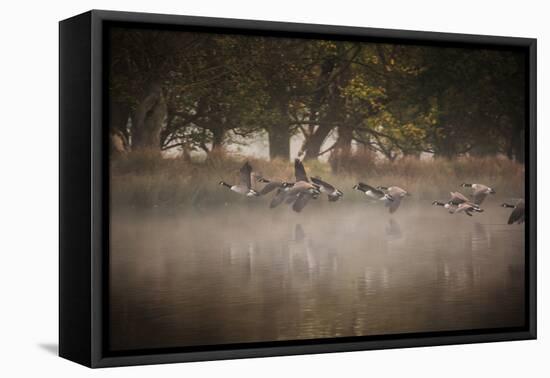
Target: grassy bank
{"x":141,"y":180}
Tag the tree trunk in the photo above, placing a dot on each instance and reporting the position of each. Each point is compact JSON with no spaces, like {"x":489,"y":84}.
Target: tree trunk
{"x":147,"y":121}
{"x":279,"y":142}
{"x":218,"y":135}
{"x":518,"y":142}
{"x":279,"y":132}
{"x":519,"y":146}
{"x":341,"y":154}
{"x":312,"y":146}
{"x":119,"y":113}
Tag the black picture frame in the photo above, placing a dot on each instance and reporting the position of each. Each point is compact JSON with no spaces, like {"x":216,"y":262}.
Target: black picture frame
{"x":84,"y":190}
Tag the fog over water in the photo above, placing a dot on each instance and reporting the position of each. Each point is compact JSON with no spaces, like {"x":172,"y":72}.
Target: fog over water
{"x":245,"y":273}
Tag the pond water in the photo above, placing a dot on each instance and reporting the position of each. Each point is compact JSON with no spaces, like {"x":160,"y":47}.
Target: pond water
{"x":246,"y":274}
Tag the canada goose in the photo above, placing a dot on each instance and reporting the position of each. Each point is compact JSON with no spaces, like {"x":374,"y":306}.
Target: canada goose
{"x":457,"y":198}
{"x":393,"y":196}
{"x":271,"y":185}
{"x":370,"y":191}
{"x":281,"y":193}
{"x":244,"y":186}
{"x":467,"y":208}
{"x":332,"y":193}
{"x":281,"y":186}
{"x":518,"y":214}
{"x":302,"y":190}
{"x":303,"y":187}
{"x":479,"y":192}
{"x":459,"y":203}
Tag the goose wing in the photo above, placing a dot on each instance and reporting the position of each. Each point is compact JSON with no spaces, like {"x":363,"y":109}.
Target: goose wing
{"x":323,"y":184}
{"x":458,"y":198}
{"x":291,"y":197}
{"x":300,"y":171}
{"x":269,"y":187}
{"x":393,"y":205}
{"x":245,"y":175}
{"x":279,"y":197}
{"x":479,"y":195}
{"x":464,"y":207}
{"x":301,"y":201}
{"x":396,"y":191}
{"x":518,"y":214}
{"x":299,"y":187}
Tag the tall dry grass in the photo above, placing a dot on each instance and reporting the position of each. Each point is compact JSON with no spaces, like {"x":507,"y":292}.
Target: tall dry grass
{"x":145,"y":180}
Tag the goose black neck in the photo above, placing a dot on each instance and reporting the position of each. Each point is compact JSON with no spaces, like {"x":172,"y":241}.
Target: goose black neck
{"x":225,"y":184}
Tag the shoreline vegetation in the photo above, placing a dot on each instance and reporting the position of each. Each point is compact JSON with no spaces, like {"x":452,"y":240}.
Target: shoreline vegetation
{"x":144,"y":180}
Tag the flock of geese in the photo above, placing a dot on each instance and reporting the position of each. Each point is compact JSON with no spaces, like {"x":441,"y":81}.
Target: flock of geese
{"x":300,"y":192}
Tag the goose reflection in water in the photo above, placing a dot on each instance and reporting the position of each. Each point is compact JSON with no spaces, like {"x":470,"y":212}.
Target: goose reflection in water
{"x":299,"y":233}
{"x":480,"y":237}
{"x":393,"y":230}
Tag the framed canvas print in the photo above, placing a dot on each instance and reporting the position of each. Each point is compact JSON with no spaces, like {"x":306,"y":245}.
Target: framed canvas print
{"x":234,"y":188}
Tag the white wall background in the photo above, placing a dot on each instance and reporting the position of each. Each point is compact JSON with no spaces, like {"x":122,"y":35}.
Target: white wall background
{"x":28,"y":189}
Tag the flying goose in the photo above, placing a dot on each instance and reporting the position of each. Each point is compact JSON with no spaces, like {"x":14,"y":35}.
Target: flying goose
{"x":479,"y":192}
{"x":302,"y":190}
{"x":518,"y":214}
{"x":465,"y":207}
{"x":282,"y":188}
{"x":393,"y":196}
{"x":324,"y":187}
{"x":271,"y":185}
{"x":370,"y":191}
{"x":459,"y":203}
{"x":244,"y":186}
{"x":300,"y":194}
{"x":457,"y":198}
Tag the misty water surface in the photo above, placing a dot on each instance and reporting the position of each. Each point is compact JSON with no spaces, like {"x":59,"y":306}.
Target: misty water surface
{"x":244,"y":274}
